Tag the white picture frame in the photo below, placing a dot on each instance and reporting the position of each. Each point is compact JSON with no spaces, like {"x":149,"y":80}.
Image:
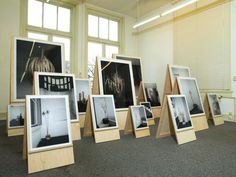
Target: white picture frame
{"x":214,"y":105}
{"x":188,"y":86}
{"x":102,"y":105}
{"x":178,"y":71}
{"x":179,"y":106}
{"x":15,"y":114}
{"x":129,"y":82}
{"x":61,"y":125}
{"x":57,"y":80}
{"x":137,"y":118}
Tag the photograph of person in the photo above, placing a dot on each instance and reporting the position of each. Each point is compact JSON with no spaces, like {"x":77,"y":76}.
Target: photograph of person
{"x":16,"y":115}
{"x":139,"y":117}
{"x":178,"y":71}
{"x":48,"y":122}
{"x":116,"y":78}
{"x":82,"y":93}
{"x":103,"y":112}
{"x":148,"y":109}
{"x":31,"y":56}
{"x":214,"y":104}
{"x":58,"y":84}
{"x":189,"y":88}
{"x":179,"y":112}
{"x":151,"y":94}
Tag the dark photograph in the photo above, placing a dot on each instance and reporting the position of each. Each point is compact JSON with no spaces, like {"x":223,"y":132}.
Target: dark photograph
{"x":214,"y":104}
{"x":82,"y":94}
{"x":151,"y":94}
{"x":179,"y":112}
{"x":33,"y":56}
{"x":148,"y":109}
{"x":16,"y":115}
{"x":49,"y":122}
{"x":137,"y":71}
{"x":139,"y":117}
{"x":116,"y":79}
{"x":58,"y":84}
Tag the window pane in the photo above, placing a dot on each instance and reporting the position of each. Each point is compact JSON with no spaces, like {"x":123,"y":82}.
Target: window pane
{"x":94,"y":50}
{"x":35,"y":13}
{"x":38,"y":36}
{"x":103,"y":28}
{"x":66,"y":42}
{"x":63,"y":19}
{"x":113,"y":30}
{"x":111,"y":50}
{"x":50,"y":16}
{"x":92,"y":26}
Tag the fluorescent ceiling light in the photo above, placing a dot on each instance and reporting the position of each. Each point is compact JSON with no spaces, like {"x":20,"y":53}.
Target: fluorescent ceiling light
{"x":178,"y":7}
{"x":146,"y":21}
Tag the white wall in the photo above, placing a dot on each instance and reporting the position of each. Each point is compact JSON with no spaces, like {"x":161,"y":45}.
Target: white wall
{"x":10,"y":21}
{"x":233,"y":45}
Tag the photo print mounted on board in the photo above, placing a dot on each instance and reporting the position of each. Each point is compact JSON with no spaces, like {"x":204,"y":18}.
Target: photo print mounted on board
{"x":103,"y":112}
{"x":139,"y":117}
{"x":189,"y":88}
{"x":16,"y":115}
{"x":58,"y":84}
{"x":48,"y":122}
{"x":151,"y":94}
{"x":136,"y":67}
{"x":148,"y":109}
{"x":214,"y":104}
{"x":116,"y":78}
{"x":31,"y":56}
{"x":178,"y":71}
{"x":179,"y":112}
{"x":82,"y":93}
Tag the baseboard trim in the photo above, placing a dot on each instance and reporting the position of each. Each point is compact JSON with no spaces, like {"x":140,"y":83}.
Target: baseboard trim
{"x":3,"y":115}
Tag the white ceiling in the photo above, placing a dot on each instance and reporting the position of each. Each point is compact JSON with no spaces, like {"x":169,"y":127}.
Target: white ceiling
{"x":134,"y":8}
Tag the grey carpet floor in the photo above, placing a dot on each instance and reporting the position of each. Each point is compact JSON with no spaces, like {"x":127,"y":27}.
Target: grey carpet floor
{"x":212,"y":155}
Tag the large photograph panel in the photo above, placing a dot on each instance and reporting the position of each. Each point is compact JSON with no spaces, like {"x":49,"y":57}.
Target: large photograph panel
{"x":151,"y":94}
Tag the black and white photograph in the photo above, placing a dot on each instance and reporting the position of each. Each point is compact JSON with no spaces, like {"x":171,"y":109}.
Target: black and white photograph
{"x":48,"y":122}
{"x":58,"y":84}
{"x":137,"y":69}
{"x":179,"y":112}
{"x":31,"y":56}
{"x":103,"y":112}
{"x":151,"y":94}
{"x":116,"y":78}
{"x":189,"y":88}
{"x":214,"y":104}
{"x":148,"y":109}
{"x":82,"y":94}
{"x":178,"y":71}
{"x":16,"y":115}
{"x":139,"y":117}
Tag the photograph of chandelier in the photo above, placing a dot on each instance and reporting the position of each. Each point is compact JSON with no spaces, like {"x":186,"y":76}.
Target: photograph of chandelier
{"x":116,"y":78}
{"x":31,"y":56}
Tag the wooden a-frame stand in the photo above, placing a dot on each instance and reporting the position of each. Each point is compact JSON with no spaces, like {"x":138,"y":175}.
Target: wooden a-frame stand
{"x":48,"y":159}
{"x":14,"y":131}
{"x":129,"y":128}
{"x":217,"y":120}
{"x":141,"y":98}
{"x":101,"y":135}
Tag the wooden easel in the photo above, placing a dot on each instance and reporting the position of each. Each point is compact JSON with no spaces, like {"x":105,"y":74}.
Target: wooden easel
{"x":101,"y":135}
{"x":141,"y":98}
{"x":217,"y":120}
{"x":168,"y":87}
{"x":129,"y":128}
{"x":75,"y":131}
{"x":48,"y":159}
{"x":15,"y":131}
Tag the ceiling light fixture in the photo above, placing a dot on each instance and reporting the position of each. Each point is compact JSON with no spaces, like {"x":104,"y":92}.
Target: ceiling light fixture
{"x":146,"y":21}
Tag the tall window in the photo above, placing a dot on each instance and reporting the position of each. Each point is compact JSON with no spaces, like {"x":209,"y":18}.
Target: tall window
{"x":104,"y":38}
{"x":50,"y":22}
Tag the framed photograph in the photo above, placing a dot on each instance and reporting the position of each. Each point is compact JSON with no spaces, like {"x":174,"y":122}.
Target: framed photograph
{"x":178,"y":71}
{"x":189,"y":88}
{"x":83,"y":90}
{"x":16,"y":115}
{"x":103,"y":112}
{"x":31,"y":56}
{"x":136,"y":67}
{"x":151,"y":94}
{"x":214,"y":104}
{"x":148,"y":109}
{"x":48,"y":122}
{"x":58,"y":84}
{"x":139,"y":117}
{"x":116,"y":78}
{"x":179,"y":112}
